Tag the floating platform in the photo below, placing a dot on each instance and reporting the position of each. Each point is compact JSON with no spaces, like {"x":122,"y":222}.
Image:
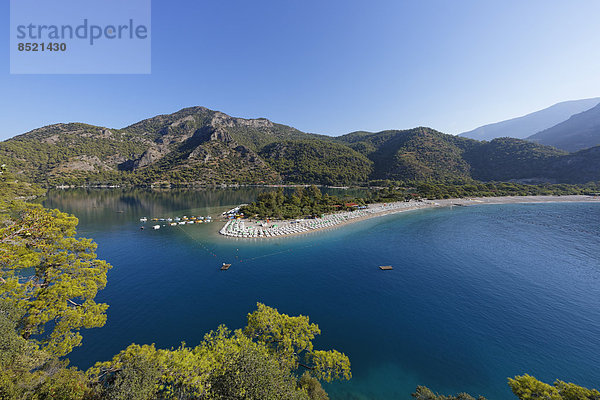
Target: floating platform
{"x":386,"y":267}
{"x":225,"y":267}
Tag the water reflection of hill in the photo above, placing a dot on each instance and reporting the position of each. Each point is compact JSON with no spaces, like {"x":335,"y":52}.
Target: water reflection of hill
{"x":107,"y":206}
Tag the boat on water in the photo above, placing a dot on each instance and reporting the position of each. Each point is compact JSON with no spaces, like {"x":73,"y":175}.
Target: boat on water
{"x":225,"y":267}
{"x":386,"y":267}
{"x":155,"y":227}
{"x":174,"y":221}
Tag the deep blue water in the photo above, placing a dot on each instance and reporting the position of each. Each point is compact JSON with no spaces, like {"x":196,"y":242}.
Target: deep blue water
{"x":477,"y":294}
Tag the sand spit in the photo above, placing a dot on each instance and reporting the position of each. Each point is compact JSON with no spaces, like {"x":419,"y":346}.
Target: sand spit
{"x":261,"y":229}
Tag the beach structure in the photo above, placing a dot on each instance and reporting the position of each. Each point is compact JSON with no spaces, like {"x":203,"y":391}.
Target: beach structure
{"x":241,"y":228}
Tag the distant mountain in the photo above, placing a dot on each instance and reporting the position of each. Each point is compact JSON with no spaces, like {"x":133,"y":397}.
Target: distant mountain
{"x":530,"y":124}
{"x":201,"y":146}
{"x":579,"y":132}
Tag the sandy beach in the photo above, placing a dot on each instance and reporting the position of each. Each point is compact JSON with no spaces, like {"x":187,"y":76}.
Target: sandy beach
{"x":272,"y":229}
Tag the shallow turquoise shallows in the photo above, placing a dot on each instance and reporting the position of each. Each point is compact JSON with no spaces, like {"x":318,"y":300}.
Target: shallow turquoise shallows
{"x":477,"y":294}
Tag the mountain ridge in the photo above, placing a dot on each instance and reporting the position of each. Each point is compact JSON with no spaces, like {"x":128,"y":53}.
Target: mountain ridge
{"x":529,"y":124}
{"x":580,"y":131}
{"x":197,"y":145}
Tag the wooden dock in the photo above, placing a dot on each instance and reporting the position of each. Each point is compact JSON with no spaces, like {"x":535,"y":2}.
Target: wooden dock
{"x":225,"y":267}
{"x":386,"y":267}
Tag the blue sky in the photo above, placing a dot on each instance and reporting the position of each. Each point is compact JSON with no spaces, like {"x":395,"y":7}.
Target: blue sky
{"x":333,"y":66}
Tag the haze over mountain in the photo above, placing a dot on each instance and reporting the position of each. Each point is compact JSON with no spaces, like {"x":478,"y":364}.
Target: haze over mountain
{"x":579,"y":132}
{"x":201,"y":146}
{"x":530,"y":124}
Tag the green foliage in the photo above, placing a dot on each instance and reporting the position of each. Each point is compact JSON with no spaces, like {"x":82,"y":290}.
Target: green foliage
{"x":50,"y":275}
{"x":312,"y":386}
{"x":252,"y":373}
{"x":468,"y":188}
{"x":256,"y":363}
{"x":304,"y":202}
{"x":289,"y":338}
{"x":46,"y":273}
{"x":317,"y":161}
{"x":527,"y":387}
{"x":424,"y":393}
{"x":65,"y":384}
{"x":135,"y":380}
{"x":26,"y":372}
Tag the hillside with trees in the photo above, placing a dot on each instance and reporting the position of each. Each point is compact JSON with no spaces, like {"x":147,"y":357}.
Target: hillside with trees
{"x":310,"y":161}
{"x":197,"y":146}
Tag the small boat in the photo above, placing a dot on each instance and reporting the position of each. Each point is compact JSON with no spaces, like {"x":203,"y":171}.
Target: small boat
{"x":225,"y":267}
{"x":386,"y":267}
{"x":143,"y":219}
{"x":155,"y":227}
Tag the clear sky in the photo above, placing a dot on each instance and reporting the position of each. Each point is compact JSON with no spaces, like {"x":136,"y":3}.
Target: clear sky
{"x":333,"y":67}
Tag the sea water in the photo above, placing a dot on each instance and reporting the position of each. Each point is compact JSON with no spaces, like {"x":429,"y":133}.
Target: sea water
{"x":477,"y":294}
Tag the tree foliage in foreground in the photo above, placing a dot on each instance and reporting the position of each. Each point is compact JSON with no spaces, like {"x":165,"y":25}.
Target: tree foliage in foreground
{"x":47,"y":273}
{"x":259,"y":362}
{"x":524,"y":387}
{"x":424,"y":393}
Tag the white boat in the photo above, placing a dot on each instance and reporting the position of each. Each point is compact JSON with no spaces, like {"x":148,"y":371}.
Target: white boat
{"x":144,"y":219}
{"x":156,"y":227}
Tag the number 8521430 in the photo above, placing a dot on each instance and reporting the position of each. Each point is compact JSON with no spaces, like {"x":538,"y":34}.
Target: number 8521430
{"x":51,"y":46}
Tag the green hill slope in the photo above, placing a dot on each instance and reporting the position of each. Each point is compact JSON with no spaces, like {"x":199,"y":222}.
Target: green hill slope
{"x":317,"y":161}
{"x":201,"y":146}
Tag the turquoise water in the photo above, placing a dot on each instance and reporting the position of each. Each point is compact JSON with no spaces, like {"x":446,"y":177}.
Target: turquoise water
{"x":477,"y":294}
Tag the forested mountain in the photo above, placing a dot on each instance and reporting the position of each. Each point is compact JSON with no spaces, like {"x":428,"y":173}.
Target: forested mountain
{"x":200,"y":146}
{"x":530,"y":124}
{"x":579,"y":132}
{"x":414,"y":154}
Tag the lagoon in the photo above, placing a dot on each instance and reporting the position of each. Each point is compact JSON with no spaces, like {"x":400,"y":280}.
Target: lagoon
{"x":477,"y":294}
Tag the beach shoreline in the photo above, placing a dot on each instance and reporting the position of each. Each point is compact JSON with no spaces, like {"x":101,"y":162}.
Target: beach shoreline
{"x":250,"y":229}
